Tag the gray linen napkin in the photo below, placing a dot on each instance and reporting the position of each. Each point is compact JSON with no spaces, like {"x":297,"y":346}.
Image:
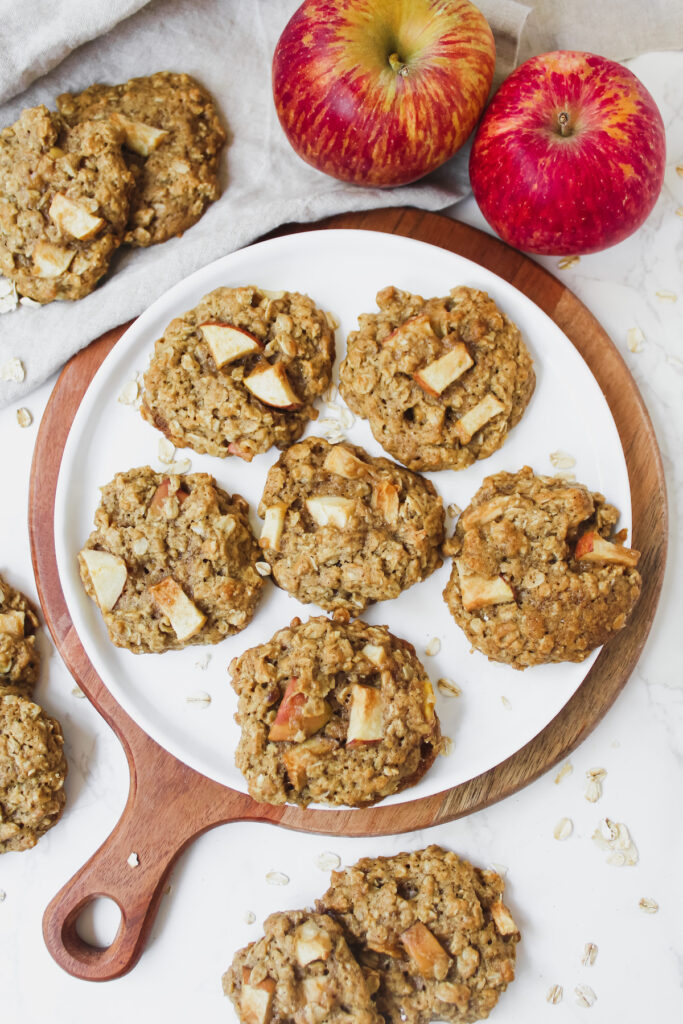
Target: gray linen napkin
{"x":228,"y":46}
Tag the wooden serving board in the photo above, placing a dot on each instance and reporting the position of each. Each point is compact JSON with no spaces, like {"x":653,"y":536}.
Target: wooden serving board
{"x":170,"y":804}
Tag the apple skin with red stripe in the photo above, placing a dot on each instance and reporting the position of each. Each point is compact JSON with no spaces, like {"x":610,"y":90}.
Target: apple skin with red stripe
{"x":380,"y":92}
{"x":569,"y":156}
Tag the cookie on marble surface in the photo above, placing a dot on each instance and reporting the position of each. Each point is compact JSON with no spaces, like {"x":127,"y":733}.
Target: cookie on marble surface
{"x":539,"y":574}
{"x":171,"y":561}
{"x":173,"y":139}
{"x":300,"y":972}
{"x":64,"y":202}
{"x":440,"y":381}
{"x":333,"y":712}
{"x":32,"y":773}
{"x":19,"y":656}
{"x":343,"y":529}
{"x":240,"y":372}
{"x":432,"y":928}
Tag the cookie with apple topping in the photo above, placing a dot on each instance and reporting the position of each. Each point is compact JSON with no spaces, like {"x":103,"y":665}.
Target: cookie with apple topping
{"x":32,"y":772}
{"x":240,"y":372}
{"x":171,"y":561}
{"x":333,"y":712}
{"x":343,"y":529}
{"x":539,"y":574}
{"x":440,"y":381}
{"x":300,"y":970}
{"x":19,"y":657}
{"x":64,"y":202}
{"x":173,"y":139}
{"x":432,"y":929}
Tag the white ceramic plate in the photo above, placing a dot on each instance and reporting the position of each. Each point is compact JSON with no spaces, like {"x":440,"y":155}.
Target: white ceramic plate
{"x":500,"y":710}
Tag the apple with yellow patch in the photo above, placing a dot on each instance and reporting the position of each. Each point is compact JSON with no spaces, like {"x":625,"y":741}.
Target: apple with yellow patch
{"x":366,"y":718}
{"x":185,"y":618}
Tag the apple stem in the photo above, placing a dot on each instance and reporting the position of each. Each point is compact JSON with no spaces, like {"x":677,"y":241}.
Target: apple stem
{"x":563,"y":120}
{"x":398,"y":65}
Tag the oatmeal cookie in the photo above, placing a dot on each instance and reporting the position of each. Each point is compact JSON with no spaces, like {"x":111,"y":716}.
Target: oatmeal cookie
{"x":32,"y":773}
{"x":343,"y":529}
{"x":334,"y":712}
{"x":440,"y":381}
{"x":173,"y":139}
{"x":64,"y":201}
{"x":538,"y":572}
{"x":300,"y":972}
{"x":239,"y":372}
{"x":171,"y":561}
{"x":19,"y":657}
{"x":433,"y":928}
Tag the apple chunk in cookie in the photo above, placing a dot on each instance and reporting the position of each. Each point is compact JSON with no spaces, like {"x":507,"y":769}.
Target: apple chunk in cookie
{"x":333,"y":712}
{"x":538,"y":573}
{"x":343,"y":529}
{"x":171,"y":561}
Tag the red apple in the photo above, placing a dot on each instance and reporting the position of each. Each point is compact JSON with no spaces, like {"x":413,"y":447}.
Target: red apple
{"x":569,"y":156}
{"x":380,"y":92}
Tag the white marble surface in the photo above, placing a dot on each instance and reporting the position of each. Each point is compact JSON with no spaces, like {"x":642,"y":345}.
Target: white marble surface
{"x":563,"y":894}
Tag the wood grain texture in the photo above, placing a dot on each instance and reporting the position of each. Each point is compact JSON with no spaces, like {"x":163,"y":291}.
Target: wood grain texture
{"x":170,"y":804}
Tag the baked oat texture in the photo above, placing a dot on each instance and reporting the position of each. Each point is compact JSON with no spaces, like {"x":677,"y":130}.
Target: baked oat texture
{"x":300,"y":972}
{"x":176,"y":180}
{"x":32,"y":773}
{"x":334,"y":712}
{"x":182,"y":528}
{"x":19,"y":657}
{"x":433,"y":928}
{"x":354,"y":529}
{"x":517,"y":542}
{"x":50,"y":254}
{"x":430,"y":429}
{"x":210,"y":409}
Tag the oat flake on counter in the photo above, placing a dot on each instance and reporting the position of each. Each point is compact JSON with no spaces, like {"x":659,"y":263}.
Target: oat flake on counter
{"x":585,"y":996}
{"x":566,"y":769}
{"x":327,"y":861}
{"x":277,"y":878}
{"x":563,"y":829}
{"x":24,"y":417}
{"x":554,"y":995}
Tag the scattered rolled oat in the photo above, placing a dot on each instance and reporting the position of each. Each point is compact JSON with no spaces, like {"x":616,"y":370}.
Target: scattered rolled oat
{"x":446,"y":746}
{"x":24,"y":417}
{"x":277,"y":878}
{"x":585,"y":996}
{"x":568,"y":261}
{"x":562,"y":460}
{"x":180,"y":467}
{"x":77,"y":692}
{"x":679,"y":170}
{"x":327,"y":861}
{"x":332,"y":321}
{"x":249,"y":917}
{"x":133,"y":861}
{"x":8,"y":296}
{"x":566,"y":769}
{"x":166,"y":450}
{"x":563,"y":829}
{"x":3,"y":895}
{"x":506,"y":703}
{"x":554,"y":995}
{"x":26,"y":301}
{"x":433,"y":647}
{"x":202,"y":699}
{"x":635,"y":339}
{"x":203,"y":662}
{"x":263,"y":568}
{"x":666,"y":295}
{"x":453,"y":510}
{"x":565,"y":474}
{"x":13,"y":371}
{"x":129,"y":392}
{"x":594,"y":777}
{"x":500,"y":869}
{"x":614,"y":837}
{"x":649,"y":905}
{"x":448,"y":688}
{"x":590,"y":952}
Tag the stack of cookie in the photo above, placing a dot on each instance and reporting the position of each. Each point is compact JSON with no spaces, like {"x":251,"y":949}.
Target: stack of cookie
{"x":32,"y":763}
{"x":128,"y":164}
{"x":408,"y":939}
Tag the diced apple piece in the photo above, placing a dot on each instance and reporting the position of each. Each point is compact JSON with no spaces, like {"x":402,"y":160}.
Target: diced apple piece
{"x":256,"y":1001}
{"x":12,"y":624}
{"x":481,"y":591}
{"x":142,"y":138}
{"x":426,"y":951}
{"x":419,"y":325}
{"x":235,"y":448}
{"x":299,"y":759}
{"x":454,"y":994}
{"x":591,"y":547}
{"x":311,"y":943}
{"x":377,"y":655}
{"x":429,"y":701}
{"x":435,"y":377}
{"x":486,"y":513}
{"x":344,"y":463}
{"x":298,"y":713}
{"x":502,"y":919}
{"x":366,"y":717}
{"x":468,"y":961}
{"x":186,"y":619}
{"x":51,"y":260}
{"x":330,"y":510}
{"x":317,"y":990}
{"x":73,"y":218}
{"x":270,"y":384}
{"x":273,"y":525}
{"x":108,"y":574}
{"x":388,"y":948}
{"x":227,"y":343}
{"x":385,"y":500}
{"x":163,"y":492}
{"x":467,"y":426}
